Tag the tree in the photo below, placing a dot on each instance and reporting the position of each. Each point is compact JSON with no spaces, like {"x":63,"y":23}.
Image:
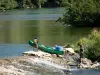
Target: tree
{"x":19,"y":3}
{"x":82,"y":13}
{"x":53,"y":3}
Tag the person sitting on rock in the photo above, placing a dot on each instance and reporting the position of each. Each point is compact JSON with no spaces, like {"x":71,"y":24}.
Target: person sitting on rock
{"x":59,"y":48}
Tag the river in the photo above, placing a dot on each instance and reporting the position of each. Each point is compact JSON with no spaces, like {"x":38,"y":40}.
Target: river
{"x":86,"y":72}
{"x":17,"y":27}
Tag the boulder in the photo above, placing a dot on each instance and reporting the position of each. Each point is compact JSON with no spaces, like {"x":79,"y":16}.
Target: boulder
{"x":69,"y":50}
{"x":85,"y":63}
{"x":95,"y":65}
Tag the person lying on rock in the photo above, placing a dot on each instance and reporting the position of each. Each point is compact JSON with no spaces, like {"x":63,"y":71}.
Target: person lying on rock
{"x":59,"y":48}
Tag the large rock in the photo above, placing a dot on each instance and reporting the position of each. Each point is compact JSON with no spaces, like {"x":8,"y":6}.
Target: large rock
{"x":69,"y":50}
{"x":95,"y":65}
{"x":85,"y":63}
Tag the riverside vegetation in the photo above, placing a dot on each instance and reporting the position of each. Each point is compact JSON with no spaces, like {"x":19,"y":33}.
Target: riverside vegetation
{"x":91,"y":45}
{"x":85,"y":13}
{"x":82,"y":13}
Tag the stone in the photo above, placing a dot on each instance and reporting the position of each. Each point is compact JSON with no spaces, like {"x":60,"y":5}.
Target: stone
{"x":95,"y":65}
{"x":54,"y":55}
{"x":69,"y":50}
{"x":85,"y":63}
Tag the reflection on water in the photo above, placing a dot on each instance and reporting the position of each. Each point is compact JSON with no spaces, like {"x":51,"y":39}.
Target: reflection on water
{"x":19,"y":26}
{"x":31,"y":17}
{"x":49,"y":32}
{"x":36,"y":14}
{"x":35,"y":11}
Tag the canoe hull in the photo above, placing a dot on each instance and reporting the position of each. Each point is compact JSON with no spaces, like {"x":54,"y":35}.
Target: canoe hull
{"x":47,"y":49}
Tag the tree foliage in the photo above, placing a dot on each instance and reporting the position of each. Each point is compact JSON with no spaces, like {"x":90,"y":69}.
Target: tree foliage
{"x":20,"y":4}
{"x":7,"y":4}
{"x":53,"y":3}
{"x":82,"y":13}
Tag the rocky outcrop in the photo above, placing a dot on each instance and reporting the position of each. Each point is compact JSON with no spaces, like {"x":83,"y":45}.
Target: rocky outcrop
{"x":86,"y":63}
{"x":70,"y":50}
{"x":34,"y":63}
{"x":73,"y":58}
{"x":67,"y":59}
{"x":29,"y":65}
{"x":41,"y":63}
{"x":70,"y":58}
{"x":96,"y":65}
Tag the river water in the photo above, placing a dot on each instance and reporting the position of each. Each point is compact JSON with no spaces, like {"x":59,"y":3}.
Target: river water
{"x":17,"y":27}
{"x":86,"y":72}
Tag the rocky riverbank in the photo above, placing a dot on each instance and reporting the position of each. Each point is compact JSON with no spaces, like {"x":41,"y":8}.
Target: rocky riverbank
{"x":40,"y":63}
{"x":28,"y":65}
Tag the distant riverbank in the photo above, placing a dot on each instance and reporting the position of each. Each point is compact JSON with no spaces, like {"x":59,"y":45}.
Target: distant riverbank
{"x":33,"y":4}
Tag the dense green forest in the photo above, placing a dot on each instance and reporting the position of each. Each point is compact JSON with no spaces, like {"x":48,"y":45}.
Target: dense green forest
{"x":82,"y":13}
{"x":22,"y":4}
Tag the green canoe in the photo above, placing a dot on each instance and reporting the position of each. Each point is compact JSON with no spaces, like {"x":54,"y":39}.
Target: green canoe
{"x":47,"y":49}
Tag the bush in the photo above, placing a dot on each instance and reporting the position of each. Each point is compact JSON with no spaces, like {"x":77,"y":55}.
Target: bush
{"x":92,"y":45}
